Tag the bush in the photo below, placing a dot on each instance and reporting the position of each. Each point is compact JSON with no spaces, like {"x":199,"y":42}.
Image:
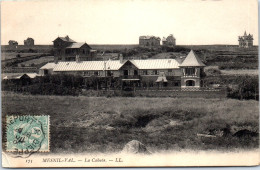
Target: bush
{"x":238,"y":65}
{"x":52,"y":89}
{"x":47,"y":85}
{"x":175,"y":49}
{"x":213,"y":72}
{"x":247,"y":88}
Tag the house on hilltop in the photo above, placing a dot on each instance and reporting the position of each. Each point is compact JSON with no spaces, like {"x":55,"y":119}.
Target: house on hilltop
{"x":169,"y":41}
{"x":150,"y":72}
{"x":149,"y":41}
{"x":13,"y":43}
{"x":66,"y":49}
{"x":245,"y":41}
{"x":29,"y":42}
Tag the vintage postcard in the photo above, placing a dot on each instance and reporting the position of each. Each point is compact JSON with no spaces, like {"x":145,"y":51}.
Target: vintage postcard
{"x":132,"y":83}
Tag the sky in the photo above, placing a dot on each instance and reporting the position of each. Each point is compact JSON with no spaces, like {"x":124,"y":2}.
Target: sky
{"x":192,"y":22}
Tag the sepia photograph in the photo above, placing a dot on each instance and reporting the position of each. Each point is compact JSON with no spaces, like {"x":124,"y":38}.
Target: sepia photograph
{"x":132,"y":83}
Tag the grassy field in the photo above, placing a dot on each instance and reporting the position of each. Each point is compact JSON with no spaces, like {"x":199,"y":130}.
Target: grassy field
{"x":93,"y":124}
{"x":224,"y":56}
{"x":38,"y":61}
{"x":11,"y":55}
{"x":240,"y":72}
{"x":253,"y":72}
{"x":22,"y":48}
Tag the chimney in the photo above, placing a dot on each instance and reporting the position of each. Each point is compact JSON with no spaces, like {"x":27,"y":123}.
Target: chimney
{"x":77,"y":59}
{"x":67,"y":38}
{"x":121,"y":58}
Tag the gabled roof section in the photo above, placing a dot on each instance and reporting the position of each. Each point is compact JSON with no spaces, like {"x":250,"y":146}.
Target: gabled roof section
{"x":48,"y":66}
{"x":112,"y":65}
{"x":192,"y":60}
{"x":29,"y":38}
{"x":156,"y":64}
{"x":32,"y":75}
{"x":66,"y":39}
{"x":127,"y":62}
{"x":147,"y":37}
{"x":16,"y":76}
{"x":161,"y":77}
{"x":13,"y":41}
{"x":171,"y":36}
{"x":88,"y":65}
{"x":78,"y":45}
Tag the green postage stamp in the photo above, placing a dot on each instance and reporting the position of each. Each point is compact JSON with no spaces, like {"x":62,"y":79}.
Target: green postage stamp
{"x":27,"y":134}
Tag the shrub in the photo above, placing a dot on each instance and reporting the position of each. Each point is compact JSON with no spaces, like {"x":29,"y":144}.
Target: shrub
{"x":48,"y":85}
{"x":213,"y":72}
{"x":175,"y":49}
{"x":247,"y":88}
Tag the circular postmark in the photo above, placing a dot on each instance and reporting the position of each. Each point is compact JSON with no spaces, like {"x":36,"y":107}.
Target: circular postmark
{"x":25,"y":135}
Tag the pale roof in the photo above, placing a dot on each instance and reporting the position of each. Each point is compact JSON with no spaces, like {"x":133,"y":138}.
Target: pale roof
{"x":32,"y":75}
{"x":88,"y":65}
{"x":48,"y":66}
{"x":156,"y":64}
{"x":12,"y":76}
{"x":161,"y":77}
{"x":192,"y":60}
{"x":114,"y":65}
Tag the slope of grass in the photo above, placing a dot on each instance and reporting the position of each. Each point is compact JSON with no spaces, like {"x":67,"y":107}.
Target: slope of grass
{"x":38,"y":61}
{"x":11,"y":55}
{"x":106,"y":124}
{"x":240,"y":72}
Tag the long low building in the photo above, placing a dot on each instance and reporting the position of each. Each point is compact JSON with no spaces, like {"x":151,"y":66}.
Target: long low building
{"x":169,"y":72}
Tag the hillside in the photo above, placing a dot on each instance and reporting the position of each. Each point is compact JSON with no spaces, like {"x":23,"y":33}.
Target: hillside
{"x":223,"y":56}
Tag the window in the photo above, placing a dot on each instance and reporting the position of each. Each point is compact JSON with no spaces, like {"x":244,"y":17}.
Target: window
{"x":86,"y":73}
{"x":169,"y":70}
{"x":190,"y":71}
{"x":155,"y":72}
{"x":145,"y":72}
{"x":45,"y":71}
{"x":176,"y":84}
{"x":109,"y":73}
{"x":125,"y":72}
{"x":96,"y":73}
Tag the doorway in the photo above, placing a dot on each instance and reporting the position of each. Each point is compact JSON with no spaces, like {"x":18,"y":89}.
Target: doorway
{"x":190,"y":83}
